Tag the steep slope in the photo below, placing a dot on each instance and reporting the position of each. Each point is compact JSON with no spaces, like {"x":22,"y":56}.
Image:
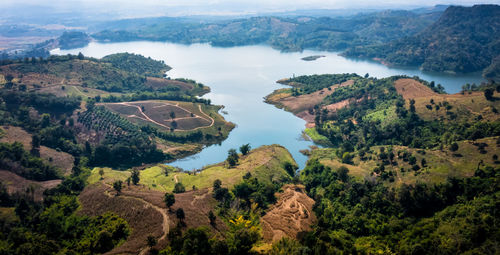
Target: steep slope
{"x":464,"y":39}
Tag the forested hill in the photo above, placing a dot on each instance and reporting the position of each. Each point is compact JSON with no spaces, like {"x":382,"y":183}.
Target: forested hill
{"x":287,"y":34}
{"x":464,"y":39}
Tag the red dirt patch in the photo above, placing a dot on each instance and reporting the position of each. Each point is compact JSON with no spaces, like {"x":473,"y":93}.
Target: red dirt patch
{"x":411,"y":89}
{"x":334,"y":107}
{"x":290,"y":216}
{"x":18,"y":184}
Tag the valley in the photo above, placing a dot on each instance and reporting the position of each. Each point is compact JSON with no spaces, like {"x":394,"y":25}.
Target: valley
{"x":368,"y":133}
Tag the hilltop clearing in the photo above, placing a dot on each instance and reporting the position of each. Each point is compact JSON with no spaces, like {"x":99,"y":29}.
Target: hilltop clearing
{"x":264,"y":163}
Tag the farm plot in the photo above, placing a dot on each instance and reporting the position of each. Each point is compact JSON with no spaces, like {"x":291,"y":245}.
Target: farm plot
{"x":162,"y":114}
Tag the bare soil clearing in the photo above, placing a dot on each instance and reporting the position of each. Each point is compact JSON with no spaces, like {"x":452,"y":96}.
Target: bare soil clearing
{"x":290,"y":216}
{"x":143,"y":218}
{"x":411,"y":89}
{"x":18,"y":184}
{"x":307,"y":101}
{"x":59,"y":159}
{"x":301,"y":105}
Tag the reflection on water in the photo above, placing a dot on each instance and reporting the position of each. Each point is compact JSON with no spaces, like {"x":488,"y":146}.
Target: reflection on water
{"x":239,"y":78}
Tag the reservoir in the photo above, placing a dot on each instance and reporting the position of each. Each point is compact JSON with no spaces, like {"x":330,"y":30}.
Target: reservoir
{"x":240,"y":77}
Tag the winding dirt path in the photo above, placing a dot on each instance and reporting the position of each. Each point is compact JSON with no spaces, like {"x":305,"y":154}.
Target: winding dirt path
{"x":165,"y":223}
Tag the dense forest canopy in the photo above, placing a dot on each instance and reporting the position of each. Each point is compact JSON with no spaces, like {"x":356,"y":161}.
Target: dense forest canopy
{"x":464,"y":39}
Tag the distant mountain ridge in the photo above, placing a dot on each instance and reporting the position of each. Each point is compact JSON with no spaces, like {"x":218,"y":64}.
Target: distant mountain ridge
{"x":286,"y":34}
{"x":464,"y":39}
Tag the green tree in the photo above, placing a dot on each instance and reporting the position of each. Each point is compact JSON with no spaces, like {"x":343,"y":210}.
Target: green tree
{"x":245,"y":148}
{"x":290,"y":168}
{"x":169,"y":200}
{"x":101,"y":173}
{"x":211,"y":218}
{"x":179,"y":188}
{"x":232,"y":157}
{"x":180,"y":214}
{"x":117,"y":185}
{"x":488,"y":94}
{"x":151,"y":241}
{"x":135,"y":176}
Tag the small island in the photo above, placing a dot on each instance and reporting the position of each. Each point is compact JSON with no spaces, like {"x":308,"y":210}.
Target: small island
{"x":312,"y":58}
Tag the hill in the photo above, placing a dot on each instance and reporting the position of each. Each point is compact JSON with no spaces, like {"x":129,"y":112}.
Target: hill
{"x":262,"y":167}
{"x":356,"y":115}
{"x":138,"y":64}
{"x":399,"y":161}
{"x":286,"y":34}
{"x":464,"y":39}
{"x":69,"y":93}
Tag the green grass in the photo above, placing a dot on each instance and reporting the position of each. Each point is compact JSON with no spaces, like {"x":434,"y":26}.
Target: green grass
{"x":385,"y":116}
{"x":264,"y":163}
{"x":109,"y":176}
{"x":315,"y":136}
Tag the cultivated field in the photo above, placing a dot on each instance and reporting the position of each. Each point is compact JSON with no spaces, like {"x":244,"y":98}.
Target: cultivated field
{"x":164,"y":114}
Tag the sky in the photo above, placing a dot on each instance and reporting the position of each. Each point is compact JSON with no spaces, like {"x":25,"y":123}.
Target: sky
{"x":224,"y":7}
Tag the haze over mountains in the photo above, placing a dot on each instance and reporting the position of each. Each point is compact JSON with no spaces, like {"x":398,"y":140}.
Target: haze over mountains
{"x":109,"y":146}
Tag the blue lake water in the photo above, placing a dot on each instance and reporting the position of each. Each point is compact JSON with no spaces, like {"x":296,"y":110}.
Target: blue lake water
{"x":240,"y":77}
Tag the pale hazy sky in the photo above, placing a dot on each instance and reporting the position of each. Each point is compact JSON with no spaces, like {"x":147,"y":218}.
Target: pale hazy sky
{"x":172,"y":7}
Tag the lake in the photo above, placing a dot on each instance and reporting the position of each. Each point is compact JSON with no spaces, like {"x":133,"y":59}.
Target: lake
{"x":240,"y":77}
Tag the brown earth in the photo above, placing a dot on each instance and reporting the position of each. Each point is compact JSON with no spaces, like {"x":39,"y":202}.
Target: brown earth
{"x":18,"y":184}
{"x":308,"y":101}
{"x":158,"y":113}
{"x":141,"y":216}
{"x":411,"y":89}
{"x":290,"y":216}
{"x":334,"y":107}
{"x":465,"y":106}
{"x":59,"y":159}
{"x":196,"y":204}
{"x":146,"y":212}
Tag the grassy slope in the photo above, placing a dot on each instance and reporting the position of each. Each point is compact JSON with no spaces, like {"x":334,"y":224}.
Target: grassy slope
{"x":441,"y":164}
{"x":265,"y":163}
